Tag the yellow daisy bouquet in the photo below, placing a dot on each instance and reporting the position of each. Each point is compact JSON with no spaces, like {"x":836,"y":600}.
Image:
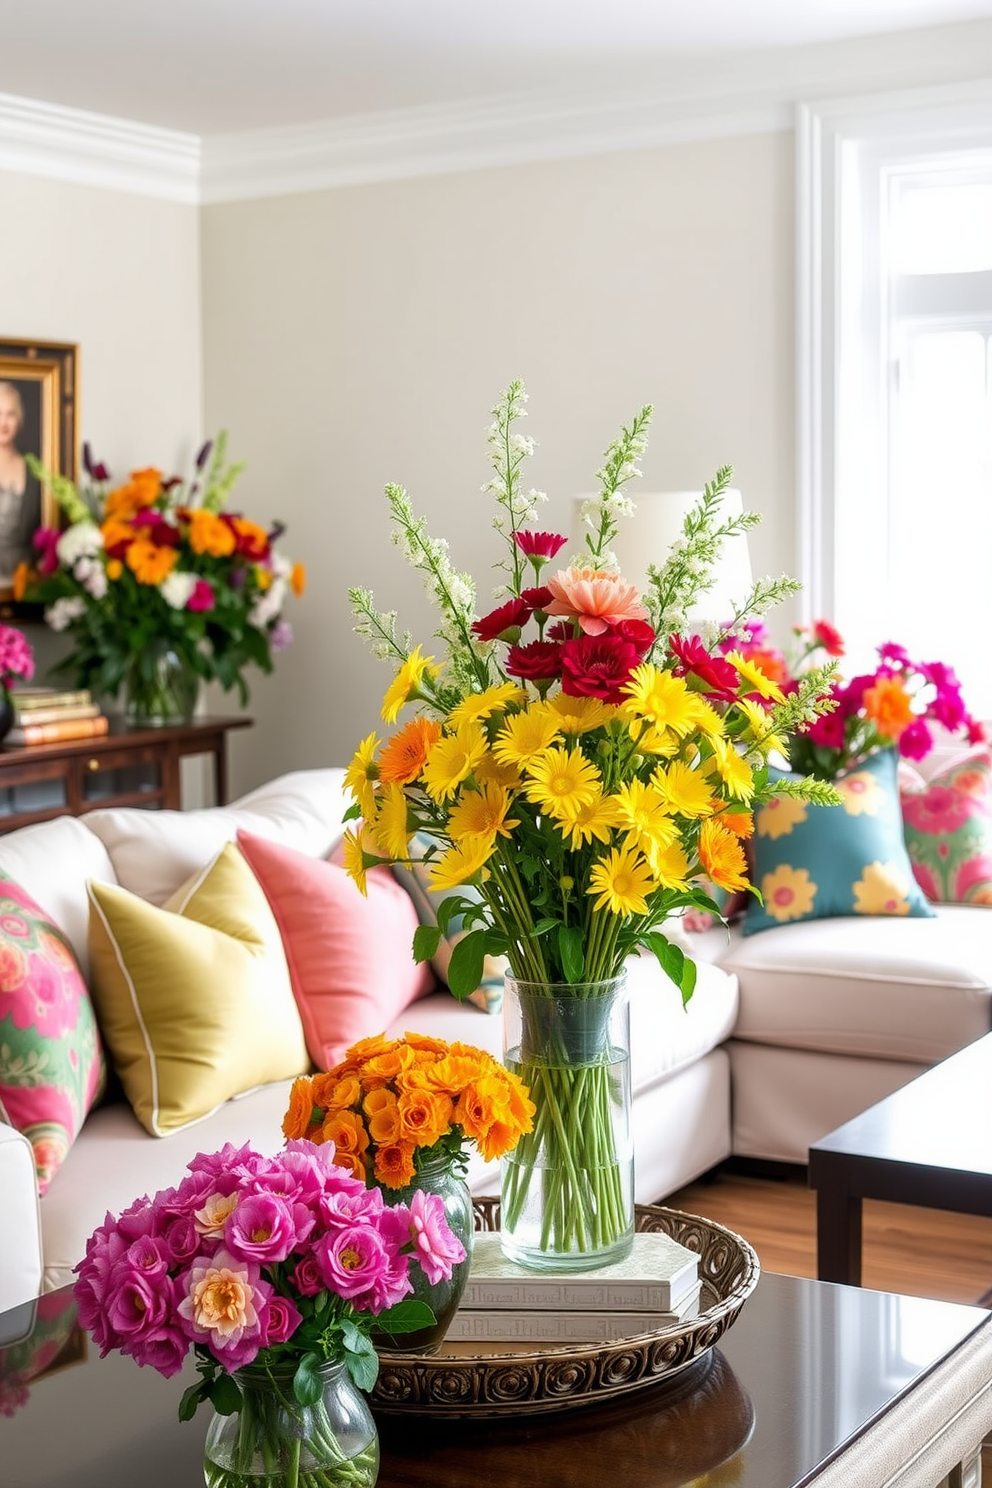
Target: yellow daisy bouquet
{"x":578,"y":762}
{"x":156,"y":562}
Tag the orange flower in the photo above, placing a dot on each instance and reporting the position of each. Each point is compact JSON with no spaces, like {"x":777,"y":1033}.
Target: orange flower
{"x":888,"y":705}
{"x":298,"y":1117}
{"x":298,"y":579}
{"x":722,"y":856}
{"x":594,"y":597}
{"x":149,"y":563}
{"x":353,"y":1164}
{"x":116,"y":531}
{"x":394,"y":1165}
{"x":21,"y":575}
{"x":347,"y":1131}
{"x":489,"y":1114}
{"x":252,"y":540}
{"x":425,"y":1116}
{"x":114,"y":569}
{"x":386,"y":1066}
{"x":404,"y":755}
{"x":335,"y":1091}
{"x":382,"y":1109}
{"x":741,"y":823}
{"x":209,"y":534}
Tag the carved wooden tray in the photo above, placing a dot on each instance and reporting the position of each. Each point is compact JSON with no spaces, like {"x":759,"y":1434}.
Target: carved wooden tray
{"x":472,"y":1379}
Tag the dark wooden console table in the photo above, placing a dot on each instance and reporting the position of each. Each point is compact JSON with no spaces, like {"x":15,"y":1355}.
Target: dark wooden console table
{"x":131,"y":765}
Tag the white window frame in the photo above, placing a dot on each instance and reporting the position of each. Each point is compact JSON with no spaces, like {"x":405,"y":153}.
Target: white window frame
{"x":845,"y":150}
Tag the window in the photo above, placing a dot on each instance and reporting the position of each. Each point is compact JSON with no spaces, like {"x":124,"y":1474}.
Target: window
{"x":896,"y":378}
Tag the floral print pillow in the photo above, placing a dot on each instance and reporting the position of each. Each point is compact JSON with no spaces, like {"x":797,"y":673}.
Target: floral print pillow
{"x":52,"y":1068}
{"x":948,"y":826}
{"x":817,"y":862}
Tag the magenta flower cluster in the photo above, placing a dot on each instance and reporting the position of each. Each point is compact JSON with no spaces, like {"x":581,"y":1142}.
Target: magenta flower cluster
{"x":235,"y":1259}
{"x":16,"y":656}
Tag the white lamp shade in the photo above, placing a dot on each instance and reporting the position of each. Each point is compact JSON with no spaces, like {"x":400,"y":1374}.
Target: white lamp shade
{"x":646,"y":537}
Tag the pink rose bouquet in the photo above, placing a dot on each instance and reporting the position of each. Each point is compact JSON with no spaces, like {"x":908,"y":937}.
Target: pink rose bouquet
{"x":271,"y":1261}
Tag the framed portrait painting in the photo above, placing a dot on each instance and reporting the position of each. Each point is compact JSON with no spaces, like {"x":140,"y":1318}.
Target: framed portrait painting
{"x":39,"y":389}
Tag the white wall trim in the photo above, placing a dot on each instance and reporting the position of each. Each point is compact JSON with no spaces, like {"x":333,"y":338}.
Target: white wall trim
{"x":44,"y":139}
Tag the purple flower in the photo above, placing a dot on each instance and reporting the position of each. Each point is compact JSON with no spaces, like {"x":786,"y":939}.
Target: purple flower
{"x":434,"y":1245}
{"x":264,"y":1228}
{"x":204,"y":454}
{"x":890,"y":651}
{"x":916,"y":740}
{"x":281,"y":635}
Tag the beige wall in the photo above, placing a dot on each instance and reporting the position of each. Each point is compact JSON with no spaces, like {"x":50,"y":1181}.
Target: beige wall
{"x":119,"y":275}
{"x":358,"y":336}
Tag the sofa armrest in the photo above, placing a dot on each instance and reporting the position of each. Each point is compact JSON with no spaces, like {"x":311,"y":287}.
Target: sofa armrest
{"x":20,"y":1221}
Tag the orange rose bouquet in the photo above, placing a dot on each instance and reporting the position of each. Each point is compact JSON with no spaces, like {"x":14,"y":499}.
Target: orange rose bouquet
{"x":392,"y":1106}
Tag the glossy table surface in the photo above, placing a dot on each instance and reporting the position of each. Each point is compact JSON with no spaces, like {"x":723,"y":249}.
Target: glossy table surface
{"x":806,"y":1369}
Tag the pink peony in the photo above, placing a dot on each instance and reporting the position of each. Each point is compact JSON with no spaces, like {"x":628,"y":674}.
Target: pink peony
{"x":594,"y":597}
{"x":434,"y":1245}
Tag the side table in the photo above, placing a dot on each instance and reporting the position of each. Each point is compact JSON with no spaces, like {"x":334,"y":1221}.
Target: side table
{"x":129,"y":766}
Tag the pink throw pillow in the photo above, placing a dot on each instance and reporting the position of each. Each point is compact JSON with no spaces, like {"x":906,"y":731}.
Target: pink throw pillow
{"x":947,"y":823}
{"x":52,"y":1068}
{"x":350,"y":956}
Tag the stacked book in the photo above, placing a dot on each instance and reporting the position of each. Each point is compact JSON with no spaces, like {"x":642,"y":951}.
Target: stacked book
{"x":45,"y":715}
{"x":655,"y":1286}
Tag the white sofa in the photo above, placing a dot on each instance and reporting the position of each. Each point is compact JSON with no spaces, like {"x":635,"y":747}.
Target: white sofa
{"x":789,"y":1033}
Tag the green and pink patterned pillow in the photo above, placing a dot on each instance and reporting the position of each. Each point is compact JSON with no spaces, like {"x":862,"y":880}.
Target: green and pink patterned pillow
{"x":52,"y":1068}
{"x":948,"y":827}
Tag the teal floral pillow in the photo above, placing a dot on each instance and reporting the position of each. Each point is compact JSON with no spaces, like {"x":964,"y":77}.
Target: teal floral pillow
{"x":52,"y":1068}
{"x":816,"y":862}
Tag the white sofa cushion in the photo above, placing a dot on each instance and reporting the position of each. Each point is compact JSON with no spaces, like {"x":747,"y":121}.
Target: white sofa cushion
{"x":154,"y":852}
{"x":52,"y":862}
{"x":914,"y":990}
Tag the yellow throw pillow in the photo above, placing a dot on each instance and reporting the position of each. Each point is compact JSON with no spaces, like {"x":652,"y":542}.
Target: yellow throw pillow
{"x":194,"y":999}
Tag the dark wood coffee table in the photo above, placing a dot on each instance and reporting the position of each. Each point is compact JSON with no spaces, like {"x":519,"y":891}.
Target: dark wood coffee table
{"x":813,"y":1385}
{"x":929,"y":1143}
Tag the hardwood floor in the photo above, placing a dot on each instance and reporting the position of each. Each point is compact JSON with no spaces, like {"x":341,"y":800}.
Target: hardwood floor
{"x":920,"y":1252}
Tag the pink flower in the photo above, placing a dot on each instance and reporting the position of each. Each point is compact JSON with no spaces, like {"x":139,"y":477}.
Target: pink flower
{"x":916,"y":740}
{"x":264,"y":1228}
{"x":434,"y":1245}
{"x":595,"y":598}
{"x":280,"y":1320}
{"x":503,"y":624}
{"x":281,"y":635}
{"x":540,"y":545}
{"x":937,"y":810}
{"x":597,"y":666}
{"x":356,"y":1263}
{"x":202,"y":597}
{"x":16,"y":656}
{"x":221,"y":1297}
{"x":45,"y":541}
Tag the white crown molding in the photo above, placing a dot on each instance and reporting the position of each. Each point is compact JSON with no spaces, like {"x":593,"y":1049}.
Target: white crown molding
{"x":44,"y":139}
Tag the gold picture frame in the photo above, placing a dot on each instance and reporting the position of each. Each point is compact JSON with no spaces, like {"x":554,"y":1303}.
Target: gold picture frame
{"x":41,"y":380}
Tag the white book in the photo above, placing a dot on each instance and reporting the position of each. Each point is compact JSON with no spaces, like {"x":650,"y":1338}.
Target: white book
{"x":655,"y":1277}
{"x":502,"y":1324}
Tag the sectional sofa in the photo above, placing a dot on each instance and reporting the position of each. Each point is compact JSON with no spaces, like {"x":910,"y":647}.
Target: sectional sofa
{"x":788,"y":1033}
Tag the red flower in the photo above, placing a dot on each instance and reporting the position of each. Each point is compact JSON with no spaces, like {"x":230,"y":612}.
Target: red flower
{"x":161,"y":532}
{"x":45,"y":540}
{"x":543,"y":545}
{"x":597,"y":666}
{"x":828,"y":637}
{"x":503,"y":624}
{"x":828,"y":731}
{"x":639,"y":633}
{"x":718,"y":675}
{"x":538,"y":662}
{"x":916,"y":740}
{"x":538,"y":598}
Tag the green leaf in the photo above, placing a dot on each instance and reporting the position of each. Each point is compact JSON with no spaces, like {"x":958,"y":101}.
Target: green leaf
{"x":467,"y":964}
{"x":225,"y":1397}
{"x":571,"y":952}
{"x":361,"y":1359}
{"x":677,"y":967}
{"x":408,"y":1316}
{"x":307,"y":1386}
{"x":426,"y":939}
{"x":451,"y":907}
{"x":193,"y":1397}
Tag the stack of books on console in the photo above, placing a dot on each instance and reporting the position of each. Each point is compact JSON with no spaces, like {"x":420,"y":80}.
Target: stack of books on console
{"x":655,"y":1286}
{"x":46,"y":715}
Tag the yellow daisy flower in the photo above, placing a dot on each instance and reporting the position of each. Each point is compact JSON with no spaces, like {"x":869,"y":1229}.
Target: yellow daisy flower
{"x":685,"y":790}
{"x":360,"y":774}
{"x":482,"y":813}
{"x":526,"y":735}
{"x":581,"y":821}
{"x":357,"y":856}
{"x":788,"y":893}
{"x":461,"y":863}
{"x":754,"y":679}
{"x":759,"y":726}
{"x":670,"y":866}
{"x":881,"y":890}
{"x":489,"y":768}
{"x":580,"y":715}
{"x":659,"y":698}
{"x":734,"y":770}
{"x":705,"y":717}
{"x":779,"y":815}
{"x":643,"y":810}
{"x":480,"y":704}
{"x":559,"y":776}
{"x":650,"y":740}
{"x":452,"y":760}
{"x":623,"y":881}
{"x":406,"y":683}
{"x":390,"y":830}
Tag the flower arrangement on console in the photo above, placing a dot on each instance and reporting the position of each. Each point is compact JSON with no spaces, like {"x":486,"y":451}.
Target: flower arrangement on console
{"x":393,"y":1106}
{"x":16,"y":659}
{"x":579,"y":759}
{"x":160,"y":563}
{"x":892,"y":706}
{"x":268,"y":1268}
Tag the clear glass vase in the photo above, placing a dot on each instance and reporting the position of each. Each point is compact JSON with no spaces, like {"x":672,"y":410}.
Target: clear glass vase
{"x":274,"y":1442}
{"x":442,"y":1297}
{"x":159,"y":687}
{"x":567,"y":1188}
